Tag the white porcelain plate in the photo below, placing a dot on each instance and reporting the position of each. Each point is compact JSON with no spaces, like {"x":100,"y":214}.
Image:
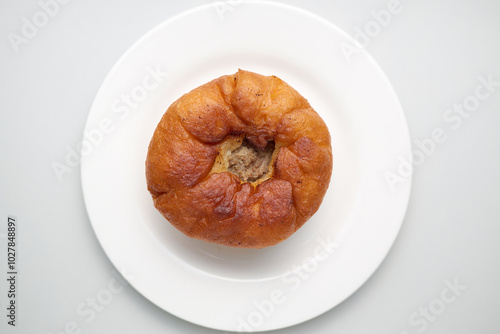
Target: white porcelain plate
{"x":333,"y":254}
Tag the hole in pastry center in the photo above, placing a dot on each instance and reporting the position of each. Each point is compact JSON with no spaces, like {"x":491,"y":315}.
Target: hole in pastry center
{"x":249,"y":162}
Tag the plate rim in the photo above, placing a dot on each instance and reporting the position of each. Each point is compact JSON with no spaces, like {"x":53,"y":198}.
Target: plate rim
{"x":202,"y":8}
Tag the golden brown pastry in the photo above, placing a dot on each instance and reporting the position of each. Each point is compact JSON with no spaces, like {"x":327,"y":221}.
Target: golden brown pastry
{"x":242,"y":161}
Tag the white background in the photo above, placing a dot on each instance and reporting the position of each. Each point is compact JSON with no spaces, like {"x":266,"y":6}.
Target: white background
{"x":433,"y":53}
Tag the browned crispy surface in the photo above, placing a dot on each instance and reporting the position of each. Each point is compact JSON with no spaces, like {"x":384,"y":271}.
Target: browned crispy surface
{"x":218,"y":206}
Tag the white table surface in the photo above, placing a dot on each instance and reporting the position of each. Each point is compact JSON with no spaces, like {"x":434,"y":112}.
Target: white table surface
{"x":433,"y":52}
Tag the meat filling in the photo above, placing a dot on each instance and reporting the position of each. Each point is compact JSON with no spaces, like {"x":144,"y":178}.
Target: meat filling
{"x":250,"y":163}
